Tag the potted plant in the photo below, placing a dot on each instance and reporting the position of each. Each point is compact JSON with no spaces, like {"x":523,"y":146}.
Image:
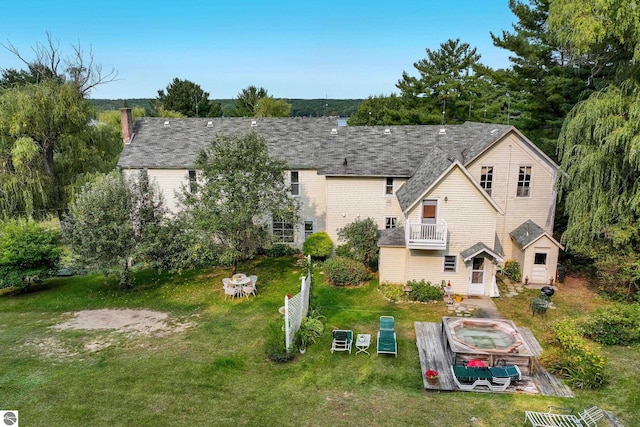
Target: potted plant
{"x":432,"y":376}
{"x":310,"y":330}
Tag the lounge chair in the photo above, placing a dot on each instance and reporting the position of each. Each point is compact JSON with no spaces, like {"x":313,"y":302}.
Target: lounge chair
{"x":387,"y":342}
{"x":387,"y":323}
{"x":342,"y":340}
{"x":510,"y":371}
{"x":587,"y":418}
{"x":469,"y":378}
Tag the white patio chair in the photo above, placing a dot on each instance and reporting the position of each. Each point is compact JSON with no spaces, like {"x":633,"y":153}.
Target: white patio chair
{"x":587,"y":418}
{"x":249,"y":289}
{"x":230,"y":290}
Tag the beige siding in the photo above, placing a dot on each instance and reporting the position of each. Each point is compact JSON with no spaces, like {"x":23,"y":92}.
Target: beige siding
{"x":506,"y":157}
{"x":393,"y":269}
{"x":313,"y":201}
{"x":169,"y":182}
{"x":351,"y":198}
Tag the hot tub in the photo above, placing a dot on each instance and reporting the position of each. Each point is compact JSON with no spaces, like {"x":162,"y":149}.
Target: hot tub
{"x":494,"y":341}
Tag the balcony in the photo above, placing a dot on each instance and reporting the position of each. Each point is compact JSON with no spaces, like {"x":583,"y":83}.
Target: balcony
{"x":427,"y":236}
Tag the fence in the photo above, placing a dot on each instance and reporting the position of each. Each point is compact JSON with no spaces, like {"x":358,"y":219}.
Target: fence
{"x":297,"y":307}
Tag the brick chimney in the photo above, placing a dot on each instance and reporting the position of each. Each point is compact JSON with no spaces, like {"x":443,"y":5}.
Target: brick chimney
{"x":127,"y":125}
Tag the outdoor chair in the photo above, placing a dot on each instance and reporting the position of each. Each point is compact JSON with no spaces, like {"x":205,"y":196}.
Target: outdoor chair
{"x":342,"y":340}
{"x":387,"y":323}
{"x":468,"y":379}
{"x":387,"y":343}
{"x":249,"y":289}
{"x":587,"y":418}
{"x":230,"y":290}
{"x":254,"y":279}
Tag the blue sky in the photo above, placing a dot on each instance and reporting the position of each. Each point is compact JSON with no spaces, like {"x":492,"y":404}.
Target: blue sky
{"x":294,"y":49}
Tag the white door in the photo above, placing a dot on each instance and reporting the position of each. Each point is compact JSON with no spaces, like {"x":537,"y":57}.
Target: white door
{"x":477,"y":277}
{"x":539,"y":270}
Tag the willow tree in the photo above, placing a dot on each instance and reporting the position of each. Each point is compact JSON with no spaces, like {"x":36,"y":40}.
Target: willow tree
{"x":599,"y":144}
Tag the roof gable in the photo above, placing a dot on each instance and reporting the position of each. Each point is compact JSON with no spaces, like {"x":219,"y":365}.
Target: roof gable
{"x":528,"y":233}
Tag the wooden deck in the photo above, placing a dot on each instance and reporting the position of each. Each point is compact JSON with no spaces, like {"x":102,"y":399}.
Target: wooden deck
{"x":434,"y":354}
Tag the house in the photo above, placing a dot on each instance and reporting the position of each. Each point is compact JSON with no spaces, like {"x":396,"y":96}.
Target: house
{"x":452,"y":202}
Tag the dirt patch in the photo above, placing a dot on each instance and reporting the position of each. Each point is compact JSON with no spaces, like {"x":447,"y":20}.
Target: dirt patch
{"x":133,"y":322}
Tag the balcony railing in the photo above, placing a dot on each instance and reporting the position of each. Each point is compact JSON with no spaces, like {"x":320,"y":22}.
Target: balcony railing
{"x":427,"y":236}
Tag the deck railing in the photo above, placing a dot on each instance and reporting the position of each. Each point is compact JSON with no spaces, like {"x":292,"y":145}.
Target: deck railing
{"x":427,"y":236}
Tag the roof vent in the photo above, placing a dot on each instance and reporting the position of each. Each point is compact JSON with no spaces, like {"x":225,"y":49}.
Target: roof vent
{"x":210,"y":124}
{"x":342,"y":122}
{"x":493,"y":131}
{"x":334,"y":131}
{"x":167,"y":124}
{"x":254,"y":123}
{"x":387,"y":131}
{"x":442,"y":131}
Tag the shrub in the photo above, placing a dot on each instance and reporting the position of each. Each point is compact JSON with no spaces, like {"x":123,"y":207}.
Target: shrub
{"x":617,"y":325}
{"x":318,"y":245}
{"x":424,"y":291}
{"x":393,"y":291}
{"x":512,"y":270}
{"x":574,"y":358}
{"x":280,"y":249}
{"x":344,"y":271}
{"x":28,"y":250}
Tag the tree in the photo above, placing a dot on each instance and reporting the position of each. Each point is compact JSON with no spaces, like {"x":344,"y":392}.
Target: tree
{"x":242,"y":189}
{"x":361,"y":239}
{"x":187,"y":98}
{"x":244,"y":105}
{"x":551,"y":80}
{"x":600,"y":141}
{"x":40,"y":124}
{"x":270,"y":107}
{"x":449,"y":81}
{"x":28,"y":251}
{"x":50,"y":64}
{"x":109,"y":222}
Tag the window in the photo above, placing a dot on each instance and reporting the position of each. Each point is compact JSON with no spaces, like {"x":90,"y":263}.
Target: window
{"x":283,"y":231}
{"x":486,"y":178}
{"x":429,"y":209}
{"x":309,"y":229}
{"x":390,"y":222}
{"x":295,"y":183}
{"x":540,"y":258}
{"x":450,"y":263}
{"x":524,"y":182}
{"x":388,"y":187}
{"x":193,"y":181}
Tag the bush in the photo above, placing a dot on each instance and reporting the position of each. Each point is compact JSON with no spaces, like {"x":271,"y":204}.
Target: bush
{"x":318,"y":245}
{"x":393,"y":291}
{"x":344,"y":271}
{"x":28,"y":250}
{"x":276,"y":347}
{"x":424,"y":291}
{"x":574,"y":358}
{"x":512,"y":270}
{"x":617,"y":325}
{"x":280,"y":249}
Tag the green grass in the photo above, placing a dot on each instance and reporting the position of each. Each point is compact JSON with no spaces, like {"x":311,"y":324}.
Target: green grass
{"x":217,"y":372}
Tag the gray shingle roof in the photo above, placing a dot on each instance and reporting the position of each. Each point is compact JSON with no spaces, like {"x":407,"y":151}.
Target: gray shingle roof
{"x":477,"y":249}
{"x":310,"y":143}
{"x":392,"y":237}
{"x":526,"y":233}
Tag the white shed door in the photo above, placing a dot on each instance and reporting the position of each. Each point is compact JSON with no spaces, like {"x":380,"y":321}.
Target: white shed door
{"x":539,"y":270}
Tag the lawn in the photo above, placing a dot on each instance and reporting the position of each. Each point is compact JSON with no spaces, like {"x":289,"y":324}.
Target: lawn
{"x":217,"y":372}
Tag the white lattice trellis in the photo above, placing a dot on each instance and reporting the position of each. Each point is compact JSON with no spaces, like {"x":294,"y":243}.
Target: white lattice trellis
{"x":296,"y":307}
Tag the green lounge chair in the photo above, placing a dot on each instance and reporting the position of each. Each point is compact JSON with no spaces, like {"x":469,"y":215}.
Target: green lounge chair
{"x":387,"y":342}
{"x":387,"y":323}
{"x":467,"y":378}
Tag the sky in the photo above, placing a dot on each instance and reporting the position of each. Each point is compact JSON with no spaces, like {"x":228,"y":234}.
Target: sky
{"x":294,"y":49}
